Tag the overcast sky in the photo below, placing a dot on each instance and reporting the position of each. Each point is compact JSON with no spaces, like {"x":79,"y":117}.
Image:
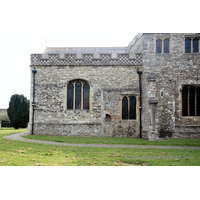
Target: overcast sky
{"x":29,"y":26}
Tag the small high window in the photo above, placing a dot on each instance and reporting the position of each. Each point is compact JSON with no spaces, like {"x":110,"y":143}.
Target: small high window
{"x":78,"y":93}
{"x":195,"y":45}
{"x":191,"y":45}
{"x":159,"y":46}
{"x":187,"y":45}
{"x":129,"y":107}
{"x":162,"y":45}
{"x":191,"y":101}
{"x":166,"y":46}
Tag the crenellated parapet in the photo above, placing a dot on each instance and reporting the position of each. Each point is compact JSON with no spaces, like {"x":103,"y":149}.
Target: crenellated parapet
{"x":86,"y":59}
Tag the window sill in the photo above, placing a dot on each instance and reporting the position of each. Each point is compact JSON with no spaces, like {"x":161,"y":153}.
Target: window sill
{"x":75,"y":111}
{"x":127,"y":120}
{"x":163,"y":53}
{"x":192,"y":53}
{"x":190,"y":117}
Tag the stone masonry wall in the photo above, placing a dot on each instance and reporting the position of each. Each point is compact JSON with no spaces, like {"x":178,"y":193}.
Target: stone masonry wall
{"x":166,"y":74}
{"x":112,"y":74}
{"x":108,"y":85}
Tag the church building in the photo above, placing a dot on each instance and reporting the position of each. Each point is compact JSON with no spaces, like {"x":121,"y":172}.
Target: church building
{"x":149,"y":89}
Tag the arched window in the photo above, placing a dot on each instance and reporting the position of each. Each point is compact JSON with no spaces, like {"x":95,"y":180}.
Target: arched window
{"x":129,"y":107}
{"x":78,"y":95}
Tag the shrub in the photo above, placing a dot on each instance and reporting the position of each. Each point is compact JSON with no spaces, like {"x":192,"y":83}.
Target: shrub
{"x":18,"y":111}
{"x":5,"y":123}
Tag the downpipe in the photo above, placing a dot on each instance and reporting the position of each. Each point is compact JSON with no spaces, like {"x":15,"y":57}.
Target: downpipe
{"x":34,"y":71}
{"x":140,"y":89}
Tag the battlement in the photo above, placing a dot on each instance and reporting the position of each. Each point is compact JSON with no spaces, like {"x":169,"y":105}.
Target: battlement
{"x":93,"y":59}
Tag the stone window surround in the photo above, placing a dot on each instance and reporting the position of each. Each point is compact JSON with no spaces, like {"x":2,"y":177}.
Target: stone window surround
{"x":82,"y":83}
{"x":162,"y":39}
{"x":189,"y":85}
{"x":136,"y":109}
{"x":192,"y":37}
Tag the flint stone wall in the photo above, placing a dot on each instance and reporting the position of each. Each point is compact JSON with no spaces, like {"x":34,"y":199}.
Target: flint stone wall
{"x":112,"y":74}
{"x":108,"y":85}
{"x":166,"y":74}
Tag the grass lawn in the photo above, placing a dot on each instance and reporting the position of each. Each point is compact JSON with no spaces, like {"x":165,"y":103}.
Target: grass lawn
{"x":16,"y":153}
{"x":115,"y":140}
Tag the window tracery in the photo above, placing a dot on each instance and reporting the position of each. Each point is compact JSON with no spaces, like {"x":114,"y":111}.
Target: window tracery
{"x":78,"y":95}
{"x":128,"y":108}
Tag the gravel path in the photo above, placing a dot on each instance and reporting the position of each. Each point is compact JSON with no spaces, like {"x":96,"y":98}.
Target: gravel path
{"x":18,"y":137}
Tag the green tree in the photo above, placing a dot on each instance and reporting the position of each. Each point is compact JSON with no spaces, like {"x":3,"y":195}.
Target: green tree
{"x":18,"y":111}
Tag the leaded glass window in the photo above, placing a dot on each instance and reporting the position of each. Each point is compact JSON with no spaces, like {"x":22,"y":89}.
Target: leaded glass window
{"x":187,"y":45}
{"x":192,"y":45}
{"x":78,"y":95}
{"x":158,"y":46}
{"x":129,"y":107}
{"x":162,"y":45}
{"x":132,"y":107}
{"x":70,"y":95}
{"x":195,"y":45}
{"x":198,"y":101}
{"x":166,"y":46}
{"x":86,"y":94}
{"x":185,"y":101}
{"x":125,"y":108}
{"x":191,"y":101}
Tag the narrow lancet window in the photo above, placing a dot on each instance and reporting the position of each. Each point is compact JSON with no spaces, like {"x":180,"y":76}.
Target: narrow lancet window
{"x":78,"y":96}
{"x":198,"y":101}
{"x":187,"y":45}
{"x":166,"y":46}
{"x":125,"y":108}
{"x":132,"y":107}
{"x":158,"y":46}
{"x":192,"y":101}
{"x":185,"y":101}
{"x":70,"y":95}
{"x":195,"y":45}
{"x":86,"y":93}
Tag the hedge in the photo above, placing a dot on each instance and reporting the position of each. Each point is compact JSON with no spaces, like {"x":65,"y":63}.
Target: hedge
{"x":5,"y":123}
